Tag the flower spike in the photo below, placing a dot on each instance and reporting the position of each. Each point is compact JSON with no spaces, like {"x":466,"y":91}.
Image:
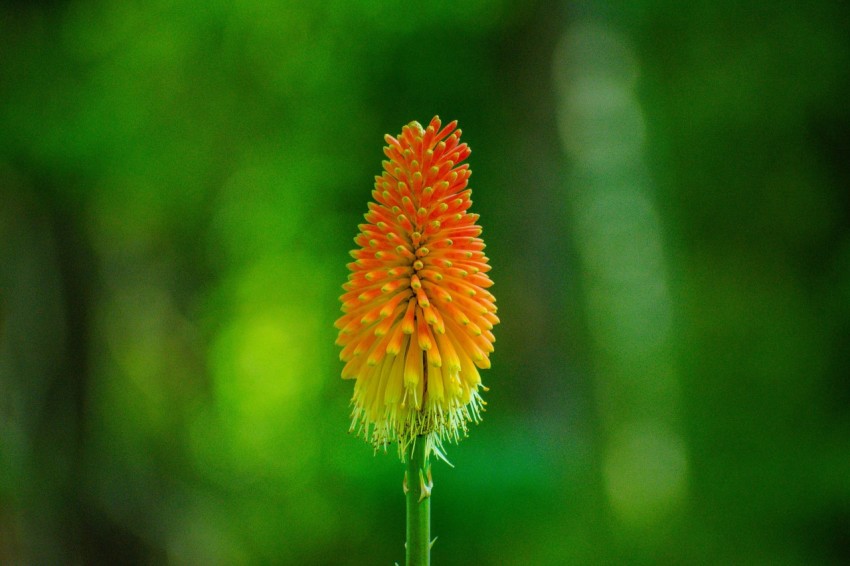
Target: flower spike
{"x":417,"y":315}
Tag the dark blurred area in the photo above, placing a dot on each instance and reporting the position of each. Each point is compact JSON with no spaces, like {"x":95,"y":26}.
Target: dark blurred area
{"x":664,"y":194}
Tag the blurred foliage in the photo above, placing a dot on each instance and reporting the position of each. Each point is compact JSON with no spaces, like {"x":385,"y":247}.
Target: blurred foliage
{"x":664,"y":194}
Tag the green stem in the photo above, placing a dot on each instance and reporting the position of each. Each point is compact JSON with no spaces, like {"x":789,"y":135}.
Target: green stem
{"x":418,"y":547}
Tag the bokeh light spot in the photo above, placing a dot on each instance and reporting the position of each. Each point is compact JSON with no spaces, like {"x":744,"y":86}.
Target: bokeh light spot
{"x":645,"y":473}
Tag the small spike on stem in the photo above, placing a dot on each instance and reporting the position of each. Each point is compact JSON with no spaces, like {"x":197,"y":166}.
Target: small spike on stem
{"x":418,"y":495}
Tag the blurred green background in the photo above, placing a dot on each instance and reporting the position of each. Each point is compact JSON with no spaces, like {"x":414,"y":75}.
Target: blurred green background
{"x":664,"y":194}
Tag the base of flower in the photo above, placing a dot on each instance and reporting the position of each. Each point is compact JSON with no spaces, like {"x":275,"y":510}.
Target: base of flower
{"x":435,"y":425}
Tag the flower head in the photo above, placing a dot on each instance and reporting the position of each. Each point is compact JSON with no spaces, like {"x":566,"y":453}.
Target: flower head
{"x":418,"y":319}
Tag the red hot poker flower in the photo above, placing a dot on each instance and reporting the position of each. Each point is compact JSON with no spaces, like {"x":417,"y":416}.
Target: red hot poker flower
{"x":418,"y":319}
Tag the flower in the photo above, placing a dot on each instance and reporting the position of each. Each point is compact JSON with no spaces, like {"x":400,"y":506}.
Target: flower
{"x":418,"y":319}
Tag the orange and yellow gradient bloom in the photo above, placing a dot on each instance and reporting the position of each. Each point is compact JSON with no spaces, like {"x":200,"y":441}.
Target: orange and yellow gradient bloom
{"x":418,"y":318}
